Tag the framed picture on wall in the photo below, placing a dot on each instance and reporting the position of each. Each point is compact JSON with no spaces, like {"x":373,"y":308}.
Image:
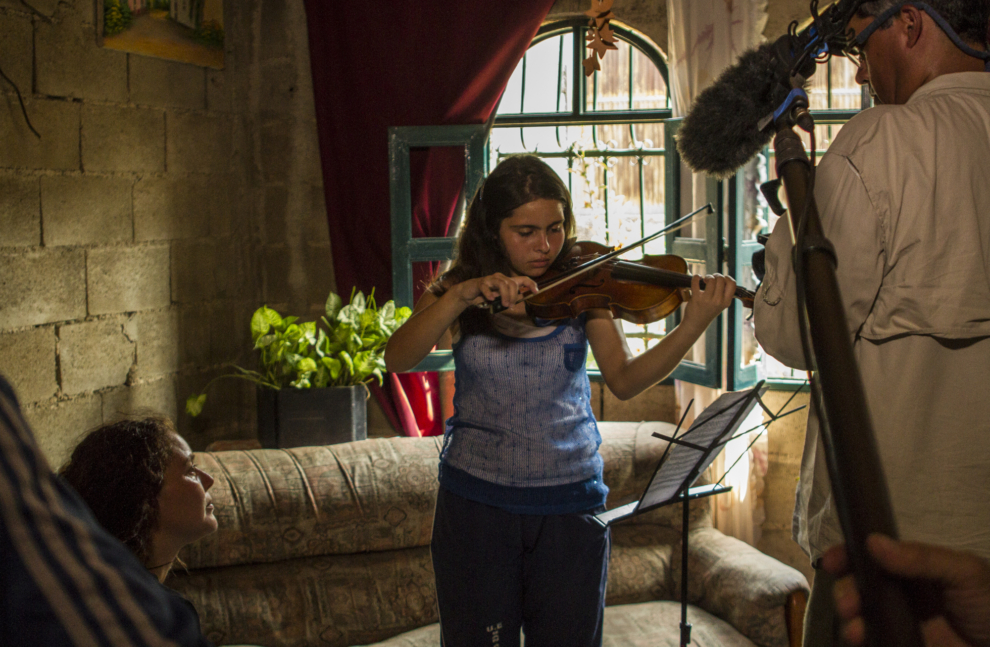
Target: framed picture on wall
{"x":190,"y":31}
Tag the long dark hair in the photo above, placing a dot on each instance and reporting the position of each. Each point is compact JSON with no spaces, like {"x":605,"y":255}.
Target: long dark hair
{"x":517,"y":180}
{"x":119,"y":470}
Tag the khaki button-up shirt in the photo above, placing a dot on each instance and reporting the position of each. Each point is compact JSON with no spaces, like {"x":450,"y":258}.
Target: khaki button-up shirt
{"x":904,"y":196}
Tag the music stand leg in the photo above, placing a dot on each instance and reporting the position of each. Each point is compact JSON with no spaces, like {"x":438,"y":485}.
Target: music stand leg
{"x":685,"y":625}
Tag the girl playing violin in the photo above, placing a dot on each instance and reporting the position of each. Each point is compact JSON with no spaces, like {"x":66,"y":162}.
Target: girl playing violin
{"x":514,"y":542}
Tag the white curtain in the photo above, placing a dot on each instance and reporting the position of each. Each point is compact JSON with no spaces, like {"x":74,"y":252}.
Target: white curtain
{"x":705,"y":37}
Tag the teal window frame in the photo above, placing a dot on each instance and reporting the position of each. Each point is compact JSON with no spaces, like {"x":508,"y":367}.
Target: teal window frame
{"x":407,"y":250}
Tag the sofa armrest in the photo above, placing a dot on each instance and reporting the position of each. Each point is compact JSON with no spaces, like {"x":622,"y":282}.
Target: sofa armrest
{"x":749,"y":589}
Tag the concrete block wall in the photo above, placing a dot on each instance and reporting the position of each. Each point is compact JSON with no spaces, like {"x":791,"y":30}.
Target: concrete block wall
{"x":163,"y":203}
{"x":786,"y":445}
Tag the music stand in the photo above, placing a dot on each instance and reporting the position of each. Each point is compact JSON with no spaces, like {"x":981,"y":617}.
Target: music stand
{"x":682,"y":463}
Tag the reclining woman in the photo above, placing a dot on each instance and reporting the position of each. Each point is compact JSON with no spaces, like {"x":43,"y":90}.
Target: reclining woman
{"x":139,"y":480}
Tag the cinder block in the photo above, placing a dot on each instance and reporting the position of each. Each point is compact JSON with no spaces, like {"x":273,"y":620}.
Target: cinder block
{"x":198,"y":142}
{"x":69,"y":63}
{"x":42,"y":287}
{"x":194,"y":266}
{"x":230,"y":412}
{"x":157,"y":337}
{"x":194,"y":335}
{"x":316,"y":225}
{"x":276,"y":213}
{"x":155,"y":398}
{"x":319,"y":273}
{"x":59,"y":428}
{"x":94,"y":355}
{"x":157,"y":82}
{"x":171,"y":208}
{"x":780,"y":485}
{"x":235,"y":270}
{"x":658,"y":402}
{"x":123,"y":139}
{"x":27,"y":360}
{"x":290,"y":151}
{"x":226,"y":324}
{"x":20,"y":211}
{"x":44,"y":7}
{"x":276,"y":267}
{"x":230,"y":334}
{"x":279,"y":87}
{"x":274,"y":40}
{"x":786,"y":436}
{"x":295,"y":206}
{"x":128,"y":279}
{"x":218,"y":91}
{"x":58,"y":124}
{"x":230,"y":202}
{"x":17,"y":50}
{"x":85,"y":209}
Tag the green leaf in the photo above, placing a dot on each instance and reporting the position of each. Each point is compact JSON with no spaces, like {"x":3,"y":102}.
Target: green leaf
{"x":265,"y":341}
{"x":358,"y":301}
{"x":334,"y":304}
{"x":293,"y":332}
{"x":345,"y":358}
{"x":368,"y":318}
{"x":194,"y":404}
{"x":350,"y":316}
{"x":289,"y":320}
{"x":306,"y":365}
{"x":262,"y":321}
{"x":364,"y":364}
{"x":333,"y":365}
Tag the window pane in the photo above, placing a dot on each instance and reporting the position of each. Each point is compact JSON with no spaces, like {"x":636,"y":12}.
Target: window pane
{"x":846,"y":93}
{"x":547,"y":71}
{"x":608,"y":89}
{"x":649,"y":88}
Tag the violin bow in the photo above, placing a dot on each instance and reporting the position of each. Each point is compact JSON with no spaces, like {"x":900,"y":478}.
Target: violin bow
{"x":496,"y":305}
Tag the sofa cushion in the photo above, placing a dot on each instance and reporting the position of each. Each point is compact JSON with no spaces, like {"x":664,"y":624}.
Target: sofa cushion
{"x":371,"y":495}
{"x":650,"y":624}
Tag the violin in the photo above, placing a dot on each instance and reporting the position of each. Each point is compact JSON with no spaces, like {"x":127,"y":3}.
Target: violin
{"x":640,"y":292}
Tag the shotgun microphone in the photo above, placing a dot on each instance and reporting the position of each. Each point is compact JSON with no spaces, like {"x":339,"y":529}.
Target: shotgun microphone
{"x":723,"y":129}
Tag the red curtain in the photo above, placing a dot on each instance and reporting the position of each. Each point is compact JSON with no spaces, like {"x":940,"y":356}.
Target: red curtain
{"x":380,"y":64}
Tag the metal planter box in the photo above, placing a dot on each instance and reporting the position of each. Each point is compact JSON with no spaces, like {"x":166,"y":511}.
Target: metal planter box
{"x":307,"y":417}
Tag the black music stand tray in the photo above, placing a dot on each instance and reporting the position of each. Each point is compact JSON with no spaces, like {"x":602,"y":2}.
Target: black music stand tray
{"x":681,"y":464}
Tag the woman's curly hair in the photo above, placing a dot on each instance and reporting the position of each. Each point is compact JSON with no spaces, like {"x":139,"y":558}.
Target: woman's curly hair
{"x":119,"y":470}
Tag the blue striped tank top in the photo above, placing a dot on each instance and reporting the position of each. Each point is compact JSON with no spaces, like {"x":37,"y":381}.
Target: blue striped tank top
{"x":523,"y":437}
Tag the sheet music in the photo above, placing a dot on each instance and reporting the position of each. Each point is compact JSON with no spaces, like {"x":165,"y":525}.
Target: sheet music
{"x":714,"y":423}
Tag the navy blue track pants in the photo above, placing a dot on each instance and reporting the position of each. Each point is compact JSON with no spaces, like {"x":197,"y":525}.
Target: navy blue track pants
{"x":499,"y":572}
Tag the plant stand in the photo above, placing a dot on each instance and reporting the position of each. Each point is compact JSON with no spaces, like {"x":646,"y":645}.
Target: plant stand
{"x":307,"y":417}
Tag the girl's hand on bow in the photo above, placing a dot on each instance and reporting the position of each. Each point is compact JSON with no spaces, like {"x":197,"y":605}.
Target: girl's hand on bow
{"x":703,"y":305}
{"x":509,"y":289}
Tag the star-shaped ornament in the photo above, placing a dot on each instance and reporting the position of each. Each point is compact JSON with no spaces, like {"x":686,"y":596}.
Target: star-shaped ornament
{"x":590,"y":65}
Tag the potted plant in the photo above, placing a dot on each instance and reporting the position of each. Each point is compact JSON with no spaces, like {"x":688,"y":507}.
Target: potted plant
{"x":312,"y":378}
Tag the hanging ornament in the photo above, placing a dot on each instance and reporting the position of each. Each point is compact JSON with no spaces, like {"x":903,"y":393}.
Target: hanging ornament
{"x":600,"y":36}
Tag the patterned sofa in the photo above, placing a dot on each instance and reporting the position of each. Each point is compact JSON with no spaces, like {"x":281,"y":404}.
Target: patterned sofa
{"x":329,"y":546}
